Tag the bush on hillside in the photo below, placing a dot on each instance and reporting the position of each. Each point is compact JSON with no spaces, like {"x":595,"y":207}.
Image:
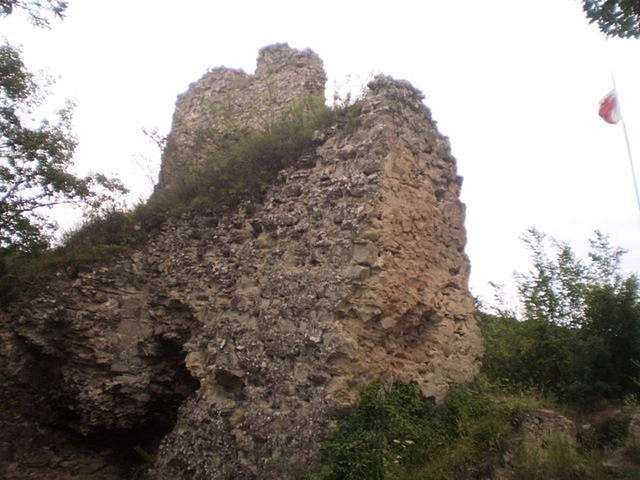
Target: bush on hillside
{"x":578,"y":336}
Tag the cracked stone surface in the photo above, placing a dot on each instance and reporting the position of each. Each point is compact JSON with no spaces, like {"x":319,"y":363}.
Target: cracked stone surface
{"x":241,"y":335}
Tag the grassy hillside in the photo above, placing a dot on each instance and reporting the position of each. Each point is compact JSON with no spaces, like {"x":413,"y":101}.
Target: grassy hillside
{"x":393,"y":433}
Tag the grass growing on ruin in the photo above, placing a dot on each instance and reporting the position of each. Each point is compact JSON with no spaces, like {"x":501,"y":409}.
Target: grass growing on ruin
{"x":246,"y":167}
{"x":242,"y":170}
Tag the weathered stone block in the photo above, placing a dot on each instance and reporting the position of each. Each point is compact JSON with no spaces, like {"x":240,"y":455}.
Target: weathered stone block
{"x":365,"y":253}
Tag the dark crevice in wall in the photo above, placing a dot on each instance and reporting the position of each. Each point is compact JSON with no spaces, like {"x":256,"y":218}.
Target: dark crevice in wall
{"x":42,"y":437}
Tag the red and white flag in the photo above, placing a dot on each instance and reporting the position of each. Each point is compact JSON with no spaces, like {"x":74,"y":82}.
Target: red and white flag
{"x":609,"y":110}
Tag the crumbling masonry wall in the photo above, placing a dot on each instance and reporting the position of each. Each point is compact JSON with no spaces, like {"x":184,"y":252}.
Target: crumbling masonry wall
{"x":226,"y":102}
{"x":264,"y":322}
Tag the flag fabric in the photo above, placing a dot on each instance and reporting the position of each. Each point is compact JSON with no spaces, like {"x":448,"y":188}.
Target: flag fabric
{"x":609,"y":110}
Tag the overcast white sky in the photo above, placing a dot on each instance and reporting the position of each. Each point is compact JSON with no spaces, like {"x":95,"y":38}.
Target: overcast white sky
{"x":515,"y":86}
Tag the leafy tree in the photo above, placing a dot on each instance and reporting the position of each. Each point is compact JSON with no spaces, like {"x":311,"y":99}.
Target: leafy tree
{"x":554,"y":289}
{"x":557,"y":288}
{"x":579,"y":332}
{"x":36,"y":157}
{"x":605,"y":262}
{"x":614,"y":328}
{"x":39,"y":12}
{"x":618,"y":18}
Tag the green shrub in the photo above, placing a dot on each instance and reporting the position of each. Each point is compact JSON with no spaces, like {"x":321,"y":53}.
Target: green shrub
{"x":554,"y":458}
{"x":610,"y":433}
{"x":245,"y":166}
{"x":393,"y":432}
{"x":383,"y":430}
{"x":578,"y":334}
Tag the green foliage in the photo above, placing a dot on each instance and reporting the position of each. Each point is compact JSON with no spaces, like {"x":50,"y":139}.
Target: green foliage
{"x":245,"y":166}
{"x":533,"y":353}
{"x":39,"y":11}
{"x":395,"y":433}
{"x":631,"y":451}
{"x":104,"y":233}
{"x":554,"y":458}
{"x":35,"y":163}
{"x":613,"y":337}
{"x":554,"y":290}
{"x":579,"y":335}
{"x":557,"y":456}
{"x":35,"y":159}
{"x":24,"y":272}
{"x":617,"y":18}
{"x":612,"y":432}
{"x":383,"y":428}
{"x":242,"y":170}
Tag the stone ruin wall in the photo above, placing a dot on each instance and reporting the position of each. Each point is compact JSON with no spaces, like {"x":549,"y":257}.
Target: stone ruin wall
{"x":263,"y":324}
{"x":226,"y":102}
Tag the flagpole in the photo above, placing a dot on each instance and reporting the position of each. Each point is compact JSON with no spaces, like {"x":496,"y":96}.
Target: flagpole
{"x":633,"y":172}
{"x":626,"y":139}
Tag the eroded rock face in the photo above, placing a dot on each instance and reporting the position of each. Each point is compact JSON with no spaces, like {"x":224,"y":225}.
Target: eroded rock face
{"x":269,"y":319}
{"x":225,"y":103}
{"x":353,"y":270}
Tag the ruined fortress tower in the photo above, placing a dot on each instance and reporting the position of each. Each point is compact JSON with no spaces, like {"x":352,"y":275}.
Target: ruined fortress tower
{"x":236,"y":338}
